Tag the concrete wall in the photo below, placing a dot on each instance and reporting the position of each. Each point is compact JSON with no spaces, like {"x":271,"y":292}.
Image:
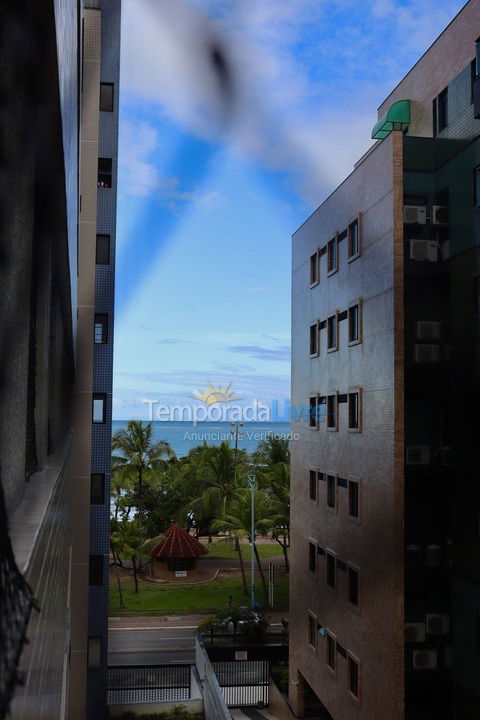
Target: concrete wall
{"x":373,"y":632}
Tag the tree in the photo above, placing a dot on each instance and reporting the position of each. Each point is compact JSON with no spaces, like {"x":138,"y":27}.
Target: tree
{"x":279,"y":496}
{"x":238,"y":520}
{"x":273,"y":450}
{"x":139,"y":456}
{"x":129,"y":541}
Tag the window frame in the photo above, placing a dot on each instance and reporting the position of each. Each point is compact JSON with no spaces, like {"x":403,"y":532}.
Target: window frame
{"x":316,"y":326}
{"x":315,"y":474}
{"x":333,"y":556}
{"x":313,"y":425}
{"x":312,"y":623}
{"x":358,"y":304}
{"x":109,"y":85}
{"x":332,"y":243}
{"x":334,"y":317}
{"x":331,"y":508}
{"x":351,"y":658}
{"x":99,"y":495}
{"x":442,"y":110}
{"x":103,"y":397}
{"x":351,"y":393}
{"x":102,"y":235}
{"x":358,"y":483}
{"x":312,"y":544}
{"x":332,"y":428}
{"x":331,"y":643}
{"x":104,"y":327}
{"x":351,"y":568}
{"x":107,"y":173}
{"x":354,"y":256}
{"x":314,"y":262}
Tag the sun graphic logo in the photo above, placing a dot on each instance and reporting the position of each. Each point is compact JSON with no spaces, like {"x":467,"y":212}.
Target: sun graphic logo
{"x":215,"y":394}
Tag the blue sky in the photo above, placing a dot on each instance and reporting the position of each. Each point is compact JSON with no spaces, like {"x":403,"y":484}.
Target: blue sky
{"x":212,"y":183}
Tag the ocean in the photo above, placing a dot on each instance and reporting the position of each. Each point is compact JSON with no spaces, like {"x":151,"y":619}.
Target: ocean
{"x":182,"y":436}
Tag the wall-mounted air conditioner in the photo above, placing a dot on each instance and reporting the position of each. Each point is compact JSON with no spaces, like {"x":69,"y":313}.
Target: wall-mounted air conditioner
{"x":433,"y":555}
{"x":418,"y":455}
{"x":437,"y":624}
{"x":440,"y":215}
{"x":426,"y":353}
{"x":428,"y":329}
{"x":424,"y":250}
{"x":424,"y":659}
{"x":415,"y":214}
{"x":415,"y":632}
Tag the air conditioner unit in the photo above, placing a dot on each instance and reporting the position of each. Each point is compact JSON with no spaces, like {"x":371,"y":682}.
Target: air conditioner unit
{"x":424,"y":250}
{"x":415,"y":632}
{"x":437,"y":624}
{"x":433,"y":555}
{"x":440,"y":215}
{"x":418,"y":455}
{"x":415,"y":214}
{"x":424,"y":659}
{"x":426,"y":353}
{"x":429,"y":329}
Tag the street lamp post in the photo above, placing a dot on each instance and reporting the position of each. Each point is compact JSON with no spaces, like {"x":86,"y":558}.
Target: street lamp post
{"x":251,"y":482}
{"x":236,"y":432}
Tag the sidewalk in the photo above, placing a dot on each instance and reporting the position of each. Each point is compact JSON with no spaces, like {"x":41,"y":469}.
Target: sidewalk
{"x":171,"y":621}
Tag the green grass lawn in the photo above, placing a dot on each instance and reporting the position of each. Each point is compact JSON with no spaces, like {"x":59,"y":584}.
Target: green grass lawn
{"x":208,"y":597}
{"x":226,"y":549}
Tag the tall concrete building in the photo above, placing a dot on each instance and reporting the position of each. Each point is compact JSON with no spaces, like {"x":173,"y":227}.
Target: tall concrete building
{"x":58,"y":146}
{"x":385,"y":580}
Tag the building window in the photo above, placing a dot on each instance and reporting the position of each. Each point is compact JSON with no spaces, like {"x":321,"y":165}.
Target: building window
{"x":353,"y":240}
{"x":353,"y":676}
{"x":331,"y":651}
{"x":332,"y":334}
{"x":312,"y":631}
{"x":312,"y":557}
{"x":99,"y":403}
{"x":352,"y":580}
{"x":174,"y":564}
{"x":354,"y":411}
{"x":314,"y":339}
{"x":353,"y":499}
{"x":442,"y":110}
{"x":101,"y":329}
{"x":313,"y":412}
{"x":104,"y":173}
{"x":330,"y":571}
{"x":332,"y":255}
{"x":331,"y":492}
{"x":94,"y":652}
{"x":102,"y":256}
{"x":332,"y":412}
{"x":473,"y":75}
{"x":97,"y":488}
{"x":312,"y":490}
{"x":354,"y":323}
{"x":314,"y":268}
{"x":476,"y":186}
{"x":95,"y":570}
{"x":106,"y":97}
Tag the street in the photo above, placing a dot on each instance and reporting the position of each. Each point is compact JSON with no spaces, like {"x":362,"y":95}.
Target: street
{"x":158,"y":646}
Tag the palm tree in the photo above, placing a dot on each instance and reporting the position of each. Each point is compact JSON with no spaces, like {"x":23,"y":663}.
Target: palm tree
{"x":272,"y":451}
{"x":129,"y":541}
{"x":279,"y":495}
{"x":238,"y":520}
{"x":139,"y":458}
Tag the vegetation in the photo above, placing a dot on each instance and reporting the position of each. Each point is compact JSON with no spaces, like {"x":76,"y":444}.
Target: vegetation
{"x":279,"y":673}
{"x":179,"y":712}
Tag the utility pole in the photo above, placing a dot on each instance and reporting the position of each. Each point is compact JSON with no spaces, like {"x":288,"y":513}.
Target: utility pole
{"x":251,"y":482}
{"x":237,"y":425}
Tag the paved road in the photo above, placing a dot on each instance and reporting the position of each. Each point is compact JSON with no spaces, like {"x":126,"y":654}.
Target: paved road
{"x":151,"y":647}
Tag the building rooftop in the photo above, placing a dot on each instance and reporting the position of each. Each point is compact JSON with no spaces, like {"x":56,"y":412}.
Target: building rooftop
{"x":178,"y":543}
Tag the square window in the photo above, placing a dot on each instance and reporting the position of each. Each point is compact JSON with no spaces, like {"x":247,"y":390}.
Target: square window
{"x":353,"y":323}
{"x":104,"y":179}
{"x":314,"y":268}
{"x":331,"y":492}
{"x":332,"y":412}
{"x":353,"y":676}
{"x":312,"y":557}
{"x":352,"y":580}
{"x":97,"y":488}
{"x":353,"y":499}
{"x":353,"y":240}
{"x":101,"y":329}
{"x":99,"y":403}
{"x":95,"y":570}
{"x":313,"y":412}
{"x":312,"y":631}
{"x":354,"y":411}
{"x":312,"y":491}
{"x":94,"y":652}
{"x":103,"y":250}
{"x":332,"y":335}
{"x":330,"y":571}
{"x":314,"y":339}
{"x":332,"y":255}
{"x":331,"y":651}
{"x":106,"y":97}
